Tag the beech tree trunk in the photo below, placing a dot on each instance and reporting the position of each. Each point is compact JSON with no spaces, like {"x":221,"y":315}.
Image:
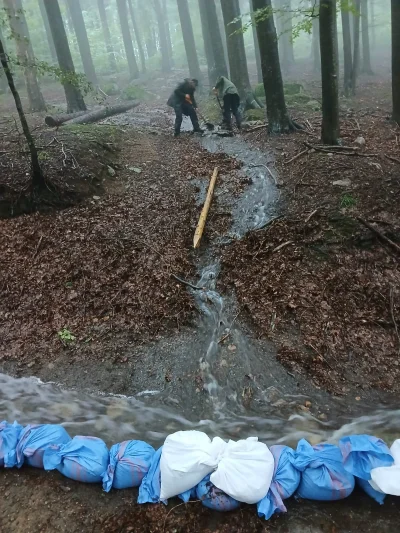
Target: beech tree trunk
{"x":216,"y":39}
{"x":73,"y":94}
{"x":100,"y":114}
{"x":137,"y":35}
{"x":19,"y":27}
{"x":239,"y":73}
{"x":329,"y":72}
{"x":316,"y":56}
{"x":126,"y":37}
{"x":366,"y":65}
{"x":107,"y":36}
{"x":396,"y":59}
{"x":162,"y":33}
{"x":38,"y":180}
{"x":278,"y":116}
{"x":188,"y":39}
{"x":168,"y":32}
{"x":83,"y":40}
{"x":356,"y":45}
{"x":256,"y":45}
{"x":347,"y":52}
{"x":48,"y":32}
{"x":208,"y":51}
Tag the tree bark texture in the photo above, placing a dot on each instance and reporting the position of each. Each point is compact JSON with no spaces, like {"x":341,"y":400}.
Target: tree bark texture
{"x":168,"y":32}
{"x":239,"y":73}
{"x":107,"y":36}
{"x":38,"y":180}
{"x":137,"y":35}
{"x":83,"y":40}
{"x":256,"y":45}
{"x":329,"y":67}
{"x":366,"y":64}
{"x":347,"y":52}
{"x":208,"y":51}
{"x":162,"y":34}
{"x":277,"y":114}
{"x":126,"y":37}
{"x":188,"y":39}
{"x":216,"y":39}
{"x":396,"y":59}
{"x":19,"y":27}
{"x":48,"y":32}
{"x":73,"y":94}
{"x":316,"y":56}
{"x":356,"y":45}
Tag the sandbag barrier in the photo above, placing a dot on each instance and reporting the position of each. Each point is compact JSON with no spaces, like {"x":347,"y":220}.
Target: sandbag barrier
{"x":221,"y":474}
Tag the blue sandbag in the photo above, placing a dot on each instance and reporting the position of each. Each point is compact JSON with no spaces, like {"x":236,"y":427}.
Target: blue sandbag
{"x":9,"y":435}
{"x":35,"y":439}
{"x":82,"y":459}
{"x":323,"y":476}
{"x":362,"y":453}
{"x":150,"y":488}
{"x":129,"y":463}
{"x":284,"y":484}
{"x":214,"y":498}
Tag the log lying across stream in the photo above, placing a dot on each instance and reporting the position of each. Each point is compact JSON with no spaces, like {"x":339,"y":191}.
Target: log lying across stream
{"x":85,"y":117}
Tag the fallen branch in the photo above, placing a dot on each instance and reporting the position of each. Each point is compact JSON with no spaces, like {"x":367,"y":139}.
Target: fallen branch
{"x":54,"y":121}
{"x":268,"y":170}
{"x":99,"y":114}
{"x":187,"y":283}
{"x":380,"y":235}
{"x":203,"y":217}
{"x":394,"y":159}
{"x":343,"y":150}
{"x":282,"y":246}
{"x":296,"y":157}
{"x":312,"y":214}
{"x":37,"y":248}
{"x":224,"y":337}
{"x":256,"y":128}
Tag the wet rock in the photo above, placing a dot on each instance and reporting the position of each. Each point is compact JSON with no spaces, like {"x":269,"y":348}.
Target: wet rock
{"x":342,"y":183}
{"x":360,"y":141}
{"x":111,"y":172}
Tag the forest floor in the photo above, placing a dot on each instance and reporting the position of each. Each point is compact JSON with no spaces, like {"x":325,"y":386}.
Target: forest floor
{"x":316,"y":282}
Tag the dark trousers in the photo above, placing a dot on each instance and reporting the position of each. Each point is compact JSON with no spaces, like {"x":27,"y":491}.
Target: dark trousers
{"x":189,"y":111}
{"x":231,"y":107}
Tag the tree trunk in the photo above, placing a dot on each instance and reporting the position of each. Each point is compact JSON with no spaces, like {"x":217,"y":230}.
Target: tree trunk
{"x":165,"y":55}
{"x":107,"y":35}
{"x":38,"y":180}
{"x":188,"y":39}
{"x":356,"y":45}
{"x":396,"y":60}
{"x":316,"y":56}
{"x":19,"y":28}
{"x":137,"y":35}
{"x":236,"y":52}
{"x":256,"y":45}
{"x":53,"y":121}
{"x":219,"y":64}
{"x":126,"y":36}
{"x":373,"y":27}
{"x":73,"y":94}
{"x":48,"y":32}
{"x":208,"y":51}
{"x":99,"y":114}
{"x":329,"y":67}
{"x":151,"y":45}
{"x":83,"y":40}
{"x":288,"y":32}
{"x":221,"y":25}
{"x":278,"y":117}
{"x":366,"y":66}
{"x":347,"y":53}
{"x":168,"y":32}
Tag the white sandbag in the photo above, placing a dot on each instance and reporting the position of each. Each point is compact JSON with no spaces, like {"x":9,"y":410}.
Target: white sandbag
{"x":386,"y":479}
{"x":242,"y":469}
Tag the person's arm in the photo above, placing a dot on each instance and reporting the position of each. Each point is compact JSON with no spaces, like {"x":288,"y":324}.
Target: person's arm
{"x":181,"y":91}
{"x":194,"y":101}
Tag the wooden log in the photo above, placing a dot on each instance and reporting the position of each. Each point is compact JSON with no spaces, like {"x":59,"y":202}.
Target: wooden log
{"x":99,"y":114}
{"x":203,"y":217}
{"x":56,"y":120}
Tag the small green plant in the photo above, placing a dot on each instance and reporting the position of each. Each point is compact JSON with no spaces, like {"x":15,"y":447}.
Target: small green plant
{"x":347,"y":200}
{"x":66,"y":336}
{"x":134,"y":92}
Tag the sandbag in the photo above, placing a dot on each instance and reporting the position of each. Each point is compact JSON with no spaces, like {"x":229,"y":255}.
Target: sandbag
{"x":242,"y":469}
{"x":214,"y":498}
{"x":34,"y":441}
{"x":82,"y":459}
{"x":285,"y":482}
{"x":387,"y":478}
{"x":361,"y":454}
{"x":324,"y":477}
{"x":129,"y":463}
{"x":9,"y":435}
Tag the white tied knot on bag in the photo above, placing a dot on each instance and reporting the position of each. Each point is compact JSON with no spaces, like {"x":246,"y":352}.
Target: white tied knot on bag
{"x":386,"y":479}
{"x":241,"y":469}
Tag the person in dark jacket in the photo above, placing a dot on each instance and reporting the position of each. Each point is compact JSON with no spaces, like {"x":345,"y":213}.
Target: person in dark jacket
{"x":184,"y":103}
{"x":227,"y":92}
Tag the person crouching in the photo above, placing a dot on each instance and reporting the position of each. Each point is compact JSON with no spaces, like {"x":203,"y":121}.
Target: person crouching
{"x":228,"y":93}
{"x":184,"y":103}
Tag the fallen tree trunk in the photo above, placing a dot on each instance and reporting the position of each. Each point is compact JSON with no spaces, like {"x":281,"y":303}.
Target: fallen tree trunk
{"x":56,"y":120}
{"x":99,"y":114}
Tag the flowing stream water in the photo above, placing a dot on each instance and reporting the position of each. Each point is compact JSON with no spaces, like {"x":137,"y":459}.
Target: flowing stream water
{"x":244,"y":390}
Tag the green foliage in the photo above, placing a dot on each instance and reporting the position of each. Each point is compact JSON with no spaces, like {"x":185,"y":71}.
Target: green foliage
{"x":111,"y":88}
{"x":134,"y":92}
{"x":347,"y":200}
{"x":66,"y":336}
{"x":293,"y":88}
{"x":259,"y":90}
{"x":255,"y":114}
